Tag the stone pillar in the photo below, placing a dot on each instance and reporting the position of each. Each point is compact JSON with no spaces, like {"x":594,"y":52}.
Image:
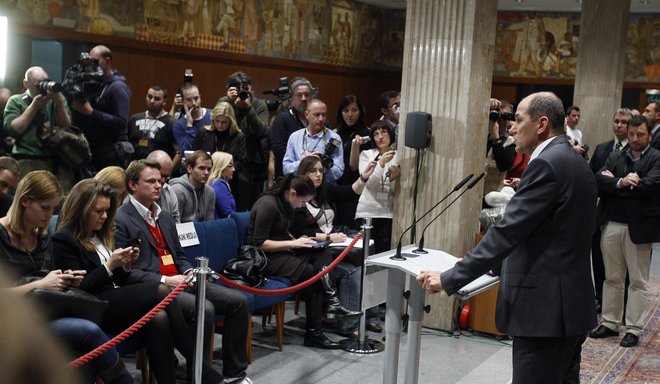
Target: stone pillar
{"x":447,"y":72}
{"x":600,"y":67}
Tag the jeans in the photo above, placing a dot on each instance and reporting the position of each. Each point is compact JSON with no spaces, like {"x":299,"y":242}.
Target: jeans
{"x":83,"y":336}
{"x":348,"y":278}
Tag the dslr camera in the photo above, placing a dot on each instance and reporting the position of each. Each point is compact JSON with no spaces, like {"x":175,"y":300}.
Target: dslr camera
{"x":494,"y":115}
{"x":45,"y":86}
{"x":243,"y":93}
{"x":330,"y":148}
{"x":83,"y":80}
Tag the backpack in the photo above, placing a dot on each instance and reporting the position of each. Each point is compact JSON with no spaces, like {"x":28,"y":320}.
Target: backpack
{"x":247,"y":267}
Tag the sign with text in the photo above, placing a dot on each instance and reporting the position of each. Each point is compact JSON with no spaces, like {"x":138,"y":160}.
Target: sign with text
{"x":187,"y":234}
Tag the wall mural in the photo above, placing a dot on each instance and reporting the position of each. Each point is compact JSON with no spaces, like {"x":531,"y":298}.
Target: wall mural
{"x":336,"y":32}
{"x":531,"y":44}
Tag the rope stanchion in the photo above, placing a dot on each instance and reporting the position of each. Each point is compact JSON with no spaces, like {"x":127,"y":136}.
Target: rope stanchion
{"x":98,"y":351}
{"x":293,"y":288}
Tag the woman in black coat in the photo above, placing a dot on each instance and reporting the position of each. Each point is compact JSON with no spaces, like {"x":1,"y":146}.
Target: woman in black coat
{"x":84,"y":242}
{"x":224,"y":135}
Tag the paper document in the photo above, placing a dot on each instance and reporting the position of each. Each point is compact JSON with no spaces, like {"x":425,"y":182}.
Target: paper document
{"x":358,"y":244}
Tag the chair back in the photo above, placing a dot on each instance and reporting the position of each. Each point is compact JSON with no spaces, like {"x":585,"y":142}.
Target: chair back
{"x":242,"y":220}
{"x":218,"y":242}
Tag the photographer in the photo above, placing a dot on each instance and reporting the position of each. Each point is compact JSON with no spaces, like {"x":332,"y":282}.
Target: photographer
{"x":316,"y":140}
{"x":252,"y":119}
{"x":500,"y":151}
{"x":104,"y":119}
{"x":24,"y":117}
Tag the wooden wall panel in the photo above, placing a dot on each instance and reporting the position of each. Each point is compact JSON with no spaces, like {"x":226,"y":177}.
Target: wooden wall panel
{"x":144,"y":64}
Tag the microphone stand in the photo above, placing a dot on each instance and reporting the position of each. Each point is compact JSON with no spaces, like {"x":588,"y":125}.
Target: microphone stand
{"x":397,"y":256}
{"x":420,"y":249}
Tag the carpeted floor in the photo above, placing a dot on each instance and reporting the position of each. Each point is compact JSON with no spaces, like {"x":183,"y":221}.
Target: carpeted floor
{"x":604,"y":361}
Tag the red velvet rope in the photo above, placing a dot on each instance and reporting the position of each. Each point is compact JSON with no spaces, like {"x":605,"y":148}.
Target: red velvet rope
{"x":98,"y":351}
{"x":101,"y":349}
{"x":293,"y":288}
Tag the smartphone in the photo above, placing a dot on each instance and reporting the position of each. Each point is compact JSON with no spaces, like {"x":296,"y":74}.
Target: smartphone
{"x":133,"y":242}
{"x":321,"y":244}
{"x":366,"y":139}
{"x":187,"y":154}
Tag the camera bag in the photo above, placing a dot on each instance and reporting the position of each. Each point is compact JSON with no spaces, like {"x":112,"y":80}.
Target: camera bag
{"x":68,"y":144}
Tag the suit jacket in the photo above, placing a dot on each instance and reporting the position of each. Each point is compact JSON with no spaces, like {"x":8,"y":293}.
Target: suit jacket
{"x":544,"y":241}
{"x":68,"y":253}
{"x":655,"y":140}
{"x":601,"y":153}
{"x":130,"y":224}
{"x":641,"y":203}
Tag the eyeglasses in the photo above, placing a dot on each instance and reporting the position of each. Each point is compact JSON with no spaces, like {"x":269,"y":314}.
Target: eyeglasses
{"x":624,"y":122}
{"x":300,"y":95}
{"x":397,"y":105}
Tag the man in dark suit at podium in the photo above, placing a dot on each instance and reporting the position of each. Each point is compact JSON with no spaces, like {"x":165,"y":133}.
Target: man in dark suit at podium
{"x":546,"y":298}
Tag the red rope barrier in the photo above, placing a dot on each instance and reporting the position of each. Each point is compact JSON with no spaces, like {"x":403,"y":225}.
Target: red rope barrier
{"x":293,"y":288}
{"x":86,"y":358}
{"x":98,"y":351}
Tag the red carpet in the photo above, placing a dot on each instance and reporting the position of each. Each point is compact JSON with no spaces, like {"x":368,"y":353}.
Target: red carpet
{"x":604,"y":361}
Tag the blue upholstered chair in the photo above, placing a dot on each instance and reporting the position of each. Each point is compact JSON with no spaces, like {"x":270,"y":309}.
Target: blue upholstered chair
{"x":219,"y":241}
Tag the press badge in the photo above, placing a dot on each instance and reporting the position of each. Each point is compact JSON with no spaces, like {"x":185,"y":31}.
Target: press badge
{"x":143,"y":143}
{"x":167,"y":259}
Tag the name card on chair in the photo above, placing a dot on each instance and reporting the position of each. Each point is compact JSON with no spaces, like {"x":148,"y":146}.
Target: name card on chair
{"x":187,"y":234}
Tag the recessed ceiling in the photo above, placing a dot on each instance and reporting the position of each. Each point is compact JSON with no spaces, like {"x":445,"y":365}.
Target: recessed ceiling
{"x":636,"y":6}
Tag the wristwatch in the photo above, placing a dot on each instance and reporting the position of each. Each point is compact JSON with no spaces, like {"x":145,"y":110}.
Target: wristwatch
{"x":364,"y":179}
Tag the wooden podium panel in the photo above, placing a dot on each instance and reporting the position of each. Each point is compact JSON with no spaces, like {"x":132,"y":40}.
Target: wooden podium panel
{"x":482,"y":312}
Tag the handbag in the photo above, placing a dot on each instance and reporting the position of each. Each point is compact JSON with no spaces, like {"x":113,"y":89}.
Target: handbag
{"x":71,"y":302}
{"x":247,"y":267}
{"x":68,"y":144}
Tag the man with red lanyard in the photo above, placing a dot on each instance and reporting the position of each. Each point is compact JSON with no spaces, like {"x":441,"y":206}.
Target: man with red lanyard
{"x":162,"y":259}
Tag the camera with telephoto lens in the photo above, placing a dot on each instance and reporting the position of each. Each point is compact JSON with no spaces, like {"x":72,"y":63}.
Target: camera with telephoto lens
{"x":495,"y":115}
{"x":330,"y":148}
{"x":45,"y":86}
{"x":282,"y":93}
{"x":83,"y":80}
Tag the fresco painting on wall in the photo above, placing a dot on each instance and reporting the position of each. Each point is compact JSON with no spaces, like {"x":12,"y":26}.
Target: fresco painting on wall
{"x":643,"y":52}
{"x":531,"y":44}
{"x":336,"y":32}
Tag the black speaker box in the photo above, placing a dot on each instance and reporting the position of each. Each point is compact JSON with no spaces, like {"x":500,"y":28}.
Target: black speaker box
{"x":418,"y":129}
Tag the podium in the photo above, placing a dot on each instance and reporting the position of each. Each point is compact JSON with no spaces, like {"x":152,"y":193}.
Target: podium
{"x":397,"y":271}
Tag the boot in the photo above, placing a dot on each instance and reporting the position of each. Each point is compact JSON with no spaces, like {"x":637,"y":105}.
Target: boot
{"x":333,"y":305}
{"x":117,"y":374}
{"x":315,"y":338}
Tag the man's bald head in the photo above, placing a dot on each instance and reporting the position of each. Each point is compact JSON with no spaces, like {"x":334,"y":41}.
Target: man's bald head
{"x":166,"y":164}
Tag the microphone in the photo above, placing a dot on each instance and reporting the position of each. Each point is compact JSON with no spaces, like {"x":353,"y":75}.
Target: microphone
{"x":456,"y":188}
{"x":420,"y":248}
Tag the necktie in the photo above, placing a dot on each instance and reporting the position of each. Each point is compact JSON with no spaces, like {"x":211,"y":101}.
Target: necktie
{"x":617,"y":146}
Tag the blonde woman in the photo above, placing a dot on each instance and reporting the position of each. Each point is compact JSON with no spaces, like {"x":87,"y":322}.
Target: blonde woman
{"x":224,"y":135}
{"x":113,"y":176}
{"x":221,"y":174}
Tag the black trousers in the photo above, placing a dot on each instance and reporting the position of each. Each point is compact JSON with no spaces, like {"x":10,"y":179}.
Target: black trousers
{"x":547,"y":360}
{"x":233,"y":305}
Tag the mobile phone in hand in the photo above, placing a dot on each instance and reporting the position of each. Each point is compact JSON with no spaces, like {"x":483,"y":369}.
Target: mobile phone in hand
{"x":321,"y":244}
{"x":133,"y":242}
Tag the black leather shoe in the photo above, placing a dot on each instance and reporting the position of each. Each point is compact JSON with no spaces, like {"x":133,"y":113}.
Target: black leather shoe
{"x":601,"y":332}
{"x":629,"y":340}
{"x":317,"y":339}
{"x":374,"y":327}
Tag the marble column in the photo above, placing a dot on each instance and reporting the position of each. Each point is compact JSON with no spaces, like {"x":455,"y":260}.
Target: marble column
{"x":447,"y":72}
{"x":600,"y":67}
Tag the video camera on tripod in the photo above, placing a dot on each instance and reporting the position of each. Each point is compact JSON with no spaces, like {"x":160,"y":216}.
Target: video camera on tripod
{"x":282,"y":94}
